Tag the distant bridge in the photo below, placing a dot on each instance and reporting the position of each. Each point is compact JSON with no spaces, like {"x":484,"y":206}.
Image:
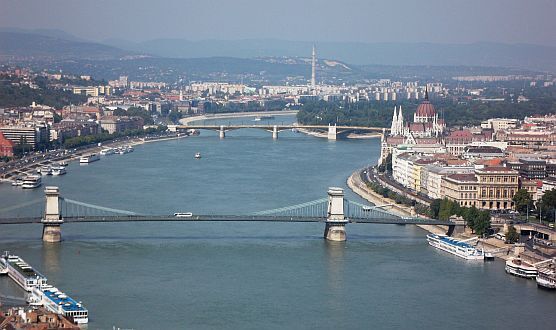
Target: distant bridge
{"x":334,"y":211}
{"x":332,"y":130}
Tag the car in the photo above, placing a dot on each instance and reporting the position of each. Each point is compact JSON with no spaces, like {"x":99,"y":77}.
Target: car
{"x":183,"y":214}
{"x":500,"y":236}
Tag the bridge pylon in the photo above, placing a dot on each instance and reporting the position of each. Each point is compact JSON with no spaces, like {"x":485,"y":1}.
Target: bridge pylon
{"x":335,"y":229}
{"x":222,"y":132}
{"x":275,"y":132}
{"x":332,"y":132}
{"x":52,"y":219}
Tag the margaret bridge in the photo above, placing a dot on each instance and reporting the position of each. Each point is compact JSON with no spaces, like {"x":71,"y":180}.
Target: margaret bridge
{"x":332,"y":131}
{"x":334,"y":212}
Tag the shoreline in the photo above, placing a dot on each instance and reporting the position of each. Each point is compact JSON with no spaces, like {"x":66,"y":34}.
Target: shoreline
{"x":356,"y":185}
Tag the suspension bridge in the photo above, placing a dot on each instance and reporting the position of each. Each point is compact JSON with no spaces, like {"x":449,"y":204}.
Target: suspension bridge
{"x":334,"y":211}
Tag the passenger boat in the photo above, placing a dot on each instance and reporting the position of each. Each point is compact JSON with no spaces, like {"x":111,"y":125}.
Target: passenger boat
{"x":56,"y":301}
{"x":197,"y":155}
{"x":46,"y":170}
{"x":58,"y":170}
{"x":21,"y":272}
{"x":455,"y":247}
{"x":518,"y":267}
{"x":63,"y":163}
{"x":31,"y":182}
{"x":107,"y":151}
{"x":41,"y":293}
{"x":89,"y":159}
{"x":546,"y":277}
{"x":18,"y":181}
{"x":124,"y":150}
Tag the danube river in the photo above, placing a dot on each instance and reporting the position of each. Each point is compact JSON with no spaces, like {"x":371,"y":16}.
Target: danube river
{"x":256,"y":275}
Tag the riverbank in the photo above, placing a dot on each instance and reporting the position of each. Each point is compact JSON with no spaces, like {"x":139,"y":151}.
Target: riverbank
{"x":29,"y":168}
{"x":356,"y":184}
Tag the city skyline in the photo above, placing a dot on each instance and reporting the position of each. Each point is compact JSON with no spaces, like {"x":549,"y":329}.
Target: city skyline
{"x":404,"y":21}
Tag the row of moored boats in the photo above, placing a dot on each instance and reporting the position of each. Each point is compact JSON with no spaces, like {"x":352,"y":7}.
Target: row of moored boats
{"x":544,"y":272}
{"x":40,"y":293}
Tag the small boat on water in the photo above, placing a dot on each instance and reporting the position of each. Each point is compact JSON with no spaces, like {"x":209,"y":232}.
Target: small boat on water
{"x":18,"y":181}
{"x":518,"y":267}
{"x":259,"y":118}
{"x":197,"y":155}
{"x":46,"y":170}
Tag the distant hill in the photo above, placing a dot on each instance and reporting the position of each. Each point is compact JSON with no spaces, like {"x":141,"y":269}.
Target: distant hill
{"x":29,"y":46}
{"x":522,"y":56}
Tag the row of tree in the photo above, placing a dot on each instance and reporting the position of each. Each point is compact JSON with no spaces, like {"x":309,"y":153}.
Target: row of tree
{"x":477,"y":220}
{"x":545,"y":208}
{"x":379,"y":114}
{"x":80,"y":141}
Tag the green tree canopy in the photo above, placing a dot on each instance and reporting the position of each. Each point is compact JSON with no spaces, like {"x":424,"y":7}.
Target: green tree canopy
{"x":522,"y":200}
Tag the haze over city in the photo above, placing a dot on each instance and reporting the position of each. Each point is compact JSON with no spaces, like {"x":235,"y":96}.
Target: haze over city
{"x":437,"y":21}
{"x":277,"y":164}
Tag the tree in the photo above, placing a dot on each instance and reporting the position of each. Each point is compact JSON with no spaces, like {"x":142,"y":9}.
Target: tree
{"x":482,"y":223}
{"x":522,"y":201}
{"x":435,"y":208}
{"x":470,"y":217}
{"x":548,"y":205}
{"x":512,"y":235}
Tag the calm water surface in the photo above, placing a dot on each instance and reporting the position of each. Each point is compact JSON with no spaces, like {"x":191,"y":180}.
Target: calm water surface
{"x":256,"y":275}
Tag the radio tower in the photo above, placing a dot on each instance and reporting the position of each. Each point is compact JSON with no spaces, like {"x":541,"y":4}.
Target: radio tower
{"x":313,"y":69}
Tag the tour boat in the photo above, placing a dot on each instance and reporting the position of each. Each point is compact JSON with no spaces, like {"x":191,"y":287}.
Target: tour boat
{"x":21,"y":272}
{"x":546,"y":277}
{"x":89,"y":159}
{"x":46,"y":170}
{"x":455,"y":247}
{"x":518,"y":267}
{"x":198,"y":155}
{"x":58,"y":170}
{"x":56,"y":301}
{"x":107,"y":152}
{"x":31,"y":182}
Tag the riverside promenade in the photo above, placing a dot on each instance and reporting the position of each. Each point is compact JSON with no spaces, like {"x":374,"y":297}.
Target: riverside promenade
{"x":359,"y":187}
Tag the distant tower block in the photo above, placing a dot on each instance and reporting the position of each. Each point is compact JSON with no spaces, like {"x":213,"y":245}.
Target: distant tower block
{"x":314,"y":69}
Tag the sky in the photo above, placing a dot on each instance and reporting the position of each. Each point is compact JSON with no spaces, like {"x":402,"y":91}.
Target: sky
{"x":438,"y":21}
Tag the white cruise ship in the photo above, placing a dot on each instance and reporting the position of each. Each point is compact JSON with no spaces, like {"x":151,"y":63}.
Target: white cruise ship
{"x":58,"y":302}
{"x":546,"y":277}
{"x":518,"y":267}
{"x":89,"y":159}
{"x":31,"y":182}
{"x":455,"y":247}
{"x":21,"y":272}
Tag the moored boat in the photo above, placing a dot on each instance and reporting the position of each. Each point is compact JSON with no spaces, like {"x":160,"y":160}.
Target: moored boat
{"x":58,"y":170}
{"x":89,"y":159}
{"x":31,"y":182}
{"x":456,"y":247}
{"x":517,"y":267}
{"x":107,"y":151}
{"x":546,"y":277}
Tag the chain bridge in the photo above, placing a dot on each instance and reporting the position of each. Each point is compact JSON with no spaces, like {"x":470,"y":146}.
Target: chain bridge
{"x":334,"y":211}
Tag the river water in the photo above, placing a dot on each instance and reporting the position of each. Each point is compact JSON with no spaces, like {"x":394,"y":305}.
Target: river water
{"x":256,"y":275}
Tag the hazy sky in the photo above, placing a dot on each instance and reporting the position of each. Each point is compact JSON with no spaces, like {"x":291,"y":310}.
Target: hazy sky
{"x":443,"y":21}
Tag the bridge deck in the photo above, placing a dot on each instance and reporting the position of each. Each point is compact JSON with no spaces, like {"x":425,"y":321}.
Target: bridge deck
{"x":281,"y":127}
{"x":226,"y":218}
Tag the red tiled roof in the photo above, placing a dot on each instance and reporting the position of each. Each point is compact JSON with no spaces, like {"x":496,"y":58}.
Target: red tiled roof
{"x":426,"y":109}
